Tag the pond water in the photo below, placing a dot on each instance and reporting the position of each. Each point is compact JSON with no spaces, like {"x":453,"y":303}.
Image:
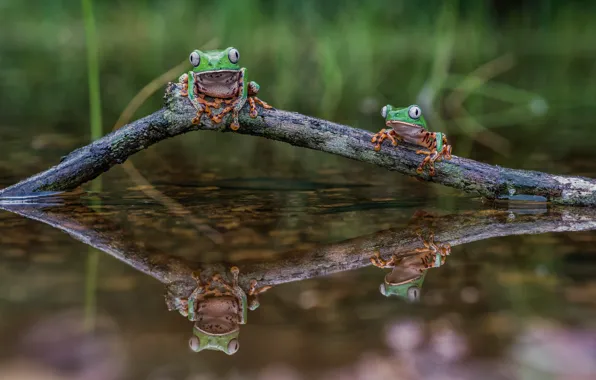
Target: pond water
{"x":513,"y":299}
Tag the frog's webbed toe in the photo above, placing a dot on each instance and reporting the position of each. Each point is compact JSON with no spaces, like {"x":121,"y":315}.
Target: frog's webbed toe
{"x":253,"y":90}
{"x":253,"y":294}
{"x":253,"y":108}
{"x":201,"y":109}
{"x":217,"y":118}
{"x":252,"y":102}
{"x":235,"y":125}
{"x":383,"y":135}
{"x":428,"y":261}
{"x":235,"y":271}
{"x":262,"y":103}
{"x":446,"y":152}
{"x":445,"y":249}
{"x":254,"y":291}
{"x":427,"y":160}
{"x":379,"y":262}
{"x":183,"y":80}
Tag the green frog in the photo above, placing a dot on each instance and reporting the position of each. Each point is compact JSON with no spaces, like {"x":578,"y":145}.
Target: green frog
{"x":216,"y":74}
{"x":408,"y":124}
{"x":217,"y":309}
{"x":408,"y":273}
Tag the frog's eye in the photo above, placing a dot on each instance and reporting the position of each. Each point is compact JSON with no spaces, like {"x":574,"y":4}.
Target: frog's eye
{"x":413,"y":294}
{"x":414,"y":112}
{"x":195,"y":58}
{"x":233,"y":346}
{"x":384,"y":111}
{"x":233,"y":55}
{"x":194,"y":343}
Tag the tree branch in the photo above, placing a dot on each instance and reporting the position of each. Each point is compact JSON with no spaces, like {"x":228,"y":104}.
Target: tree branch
{"x":492,"y":182}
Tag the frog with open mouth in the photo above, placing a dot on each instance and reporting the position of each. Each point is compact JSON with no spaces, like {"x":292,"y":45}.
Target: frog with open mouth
{"x":216,"y":74}
{"x":217,"y":308}
{"x":408,"y":124}
{"x":408,"y":273}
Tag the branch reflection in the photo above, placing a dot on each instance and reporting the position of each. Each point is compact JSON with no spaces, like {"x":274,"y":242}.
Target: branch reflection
{"x":216,"y":297}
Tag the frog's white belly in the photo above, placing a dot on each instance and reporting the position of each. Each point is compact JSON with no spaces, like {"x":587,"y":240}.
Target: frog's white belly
{"x":219,"y":84}
{"x":218,"y":315}
{"x":411,"y":134}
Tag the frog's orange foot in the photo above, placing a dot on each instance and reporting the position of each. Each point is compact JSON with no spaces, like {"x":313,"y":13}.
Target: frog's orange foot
{"x":431,"y":169}
{"x":428,"y":261}
{"x":200,"y":110}
{"x":183,"y":305}
{"x":378,"y":261}
{"x":235,"y":125}
{"x":253,"y":290}
{"x":253,"y":286}
{"x":429,"y":159}
{"x":219,"y":117}
{"x":183,"y":80}
{"x":382,"y":135}
{"x":253,"y":108}
{"x":447,"y":152}
{"x":263,"y":104}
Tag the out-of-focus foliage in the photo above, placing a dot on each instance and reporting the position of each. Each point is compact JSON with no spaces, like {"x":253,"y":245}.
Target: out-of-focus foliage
{"x":340,"y":60}
{"x":324,"y":58}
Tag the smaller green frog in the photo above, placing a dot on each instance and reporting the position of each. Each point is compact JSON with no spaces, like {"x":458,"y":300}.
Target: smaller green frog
{"x":408,"y":124}
{"x":218,"y":308}
{"x":408,"y":273}
{"x":217,"y":74}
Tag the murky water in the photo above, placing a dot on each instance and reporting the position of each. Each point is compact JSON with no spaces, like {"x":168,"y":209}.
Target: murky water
{"x":515,"y":298}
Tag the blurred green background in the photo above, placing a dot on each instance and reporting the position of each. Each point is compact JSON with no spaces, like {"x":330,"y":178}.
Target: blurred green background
{"x":477,"y":68}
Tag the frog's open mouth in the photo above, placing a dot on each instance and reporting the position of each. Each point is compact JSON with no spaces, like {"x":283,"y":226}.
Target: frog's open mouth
{"x":396,"y":123}
{"x":216,"y":326}
{"x":219,"y":83}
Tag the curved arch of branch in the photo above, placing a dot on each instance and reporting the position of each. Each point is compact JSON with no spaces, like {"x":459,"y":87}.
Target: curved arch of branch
{"x":490,"y":181}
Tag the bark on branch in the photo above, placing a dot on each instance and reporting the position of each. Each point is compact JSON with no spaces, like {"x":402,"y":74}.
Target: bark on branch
{"x":492,"y":182}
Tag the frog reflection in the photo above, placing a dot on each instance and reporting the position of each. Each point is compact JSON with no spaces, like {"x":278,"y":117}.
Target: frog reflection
{"x":408,"y":273}
{"x":217,"y":308}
